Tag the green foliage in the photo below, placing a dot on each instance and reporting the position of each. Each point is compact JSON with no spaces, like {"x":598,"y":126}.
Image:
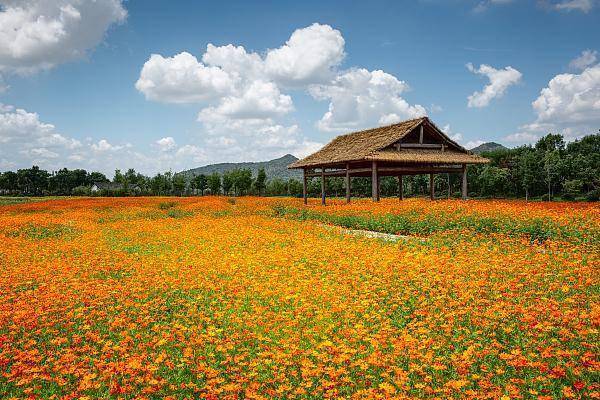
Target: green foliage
{"x":39,"y":232}
{"x":260,"y":184}
{"x":165,"y":205}
{"x":536,"y":229}
{"x":549,"y":169}
{"x":214,"y":183}
{"x":178,"y":184}
{"x":81,"y":191}
{"x":178,"y":213}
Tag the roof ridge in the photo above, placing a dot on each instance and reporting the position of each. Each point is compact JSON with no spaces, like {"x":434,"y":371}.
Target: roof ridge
{"x":381,"y":127}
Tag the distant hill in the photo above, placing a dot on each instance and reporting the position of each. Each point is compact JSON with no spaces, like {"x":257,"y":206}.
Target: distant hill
{"x":486,"y":147}
{"x":276,"y":168}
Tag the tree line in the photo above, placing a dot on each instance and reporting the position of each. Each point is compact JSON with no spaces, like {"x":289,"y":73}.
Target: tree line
{"x":550,"y":169}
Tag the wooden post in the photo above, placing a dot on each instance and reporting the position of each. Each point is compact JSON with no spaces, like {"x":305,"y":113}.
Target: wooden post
{"x":448,"y":181}
{"x":421,"y":134}
{"x":304,"y":196}
{"x":323,"y":186}
{"x":374,"y":182}
{"x":400,"y":187}
{"x":347,"y":182}
{"x":431,"y":187}
{"x":464,"y":181}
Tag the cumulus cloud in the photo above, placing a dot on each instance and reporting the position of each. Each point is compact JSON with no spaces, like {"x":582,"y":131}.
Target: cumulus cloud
{"x":183,"y":79}
{"x":360,"y":98}
{"x":166,"y":143}
{"x":309,"y":56}
{"x":574,"y":5}
{"x":522,"y":138}
{"x":570,"y":98}
{"x":260,"y":100}
{"x":570,"y":105}
{"x":39,"y":34}
{"x":241,"y":91}
{"x":25,"y":141}
{"x":500,"y":80}
{"x":587,"y":58}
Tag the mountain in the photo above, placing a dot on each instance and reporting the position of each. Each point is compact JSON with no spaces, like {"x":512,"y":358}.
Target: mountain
{"x":276,"y":168}
{"x":486,"y":147}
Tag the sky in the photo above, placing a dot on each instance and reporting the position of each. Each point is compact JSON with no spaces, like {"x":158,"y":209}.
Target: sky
{"x":161,"y":85}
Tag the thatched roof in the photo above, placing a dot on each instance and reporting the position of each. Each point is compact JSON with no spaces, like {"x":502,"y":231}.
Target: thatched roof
{"x":373,"y":144}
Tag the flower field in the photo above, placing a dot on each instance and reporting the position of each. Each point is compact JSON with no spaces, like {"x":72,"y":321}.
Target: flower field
{"x":255,"y":298}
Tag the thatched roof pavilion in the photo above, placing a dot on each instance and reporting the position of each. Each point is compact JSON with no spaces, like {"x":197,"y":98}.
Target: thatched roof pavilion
{"x":410,"y":147}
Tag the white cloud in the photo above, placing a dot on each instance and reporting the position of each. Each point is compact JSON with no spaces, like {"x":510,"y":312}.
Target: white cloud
{"x":309,"y":56}
{"x":500,"y":80}
{"x":575,"y":5}
{"x":587,"y":58}
{"x":569,"y":105}
{"x":196,"y":153}
{"x":235,"y":60}
{"x":183,"y":79}
{"x":570,"y":98}
{"x":166,"y":143}
{"x":27,"y":141}
{"x":260,"y":100}
{"x":360,"y":98}
{"x":522,"y":138}
{"x":39,"y":152}
{"x":241,"y":91}
{"x":39,"y":34}
{"x":458,"y":137}
{"x":485,"y":4}
{"x":104,"y":145}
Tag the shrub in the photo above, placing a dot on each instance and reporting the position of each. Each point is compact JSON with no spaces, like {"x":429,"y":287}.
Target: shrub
{"x":81,"y":191}
{"x":593,"y":195}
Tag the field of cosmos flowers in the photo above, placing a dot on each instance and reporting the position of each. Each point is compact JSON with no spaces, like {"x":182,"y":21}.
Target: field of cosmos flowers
{"x":215,"y":297}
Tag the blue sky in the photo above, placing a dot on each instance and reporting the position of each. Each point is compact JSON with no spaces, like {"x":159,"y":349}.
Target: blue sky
{"x":88,"y":94}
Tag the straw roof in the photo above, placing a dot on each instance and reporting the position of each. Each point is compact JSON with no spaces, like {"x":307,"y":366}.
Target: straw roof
{"x":371,"y":145}
{"x":426,"y":157}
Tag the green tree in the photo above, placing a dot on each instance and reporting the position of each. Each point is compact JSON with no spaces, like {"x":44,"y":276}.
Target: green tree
{"x":260,"y":184}
{"x":178,"y":184}
{"x":551,"y":162}
{"x":214,"y":183}
{"x":527,"y":167}
{"x":199,"y":182}
{"x":227,"y":181}
{"x":241,"y":181}
{"x":97,"y":177}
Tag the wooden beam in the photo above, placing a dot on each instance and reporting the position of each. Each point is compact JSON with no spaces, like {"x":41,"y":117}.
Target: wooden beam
{"x":389,"y":171}
{"x":347,"y":182}
{"x":464,"y":182}
{"x":431,"y":187}
{"x":374,"y":182}
{"x":421,"y":146}
{"x":304,"y":191}
{"x":421,"y":134}
{"x":323,"y":186}
{"x":400,"y":187}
